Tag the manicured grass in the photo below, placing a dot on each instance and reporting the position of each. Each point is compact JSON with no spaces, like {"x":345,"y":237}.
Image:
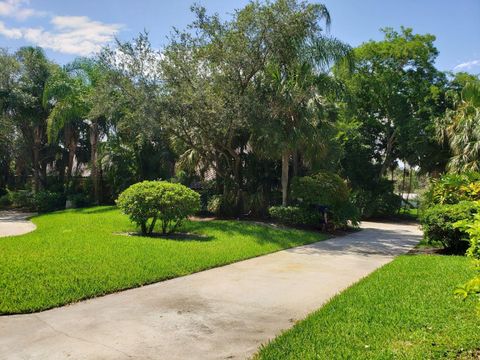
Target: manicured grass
{"x":79,"y":254}
{"x":405,"y":310}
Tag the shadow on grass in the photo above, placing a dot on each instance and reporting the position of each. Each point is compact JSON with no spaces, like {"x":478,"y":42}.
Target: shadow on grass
{"x":174,"y":237}
{"x":94,"y":210}
{"x":262,"y":233}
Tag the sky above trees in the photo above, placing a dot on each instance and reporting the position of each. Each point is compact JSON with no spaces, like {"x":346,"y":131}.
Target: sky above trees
{"x":67,"y":29}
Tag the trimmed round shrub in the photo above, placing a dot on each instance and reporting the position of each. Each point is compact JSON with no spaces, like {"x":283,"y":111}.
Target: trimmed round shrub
{"x":150,"y":201}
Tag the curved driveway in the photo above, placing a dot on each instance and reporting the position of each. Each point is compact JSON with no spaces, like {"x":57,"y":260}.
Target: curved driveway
{"x":15,"y":223}
{"x":223,"y":313}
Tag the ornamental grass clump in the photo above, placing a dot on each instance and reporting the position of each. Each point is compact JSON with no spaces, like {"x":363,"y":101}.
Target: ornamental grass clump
{"x":150,"y":201}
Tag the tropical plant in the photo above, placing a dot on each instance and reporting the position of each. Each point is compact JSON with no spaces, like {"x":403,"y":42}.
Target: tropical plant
{"x":67,"y":97}
{"x":472,"y":287}
{"x":460,"y":127}
{"x":452,"y":188}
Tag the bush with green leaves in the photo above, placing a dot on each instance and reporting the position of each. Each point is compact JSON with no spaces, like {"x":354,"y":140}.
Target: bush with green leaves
{"x":22,"y":199}
{"x":5,"y":201}
{"x":43,"y":201}
{"x":47,"y":201}
{"x":327,"y":189}
{"x":150,"y":201}
{"x":472,"y":287}
{"x":295,"y":215}
{"x":472,"y":228}
{"x":453,"y":188}
{"x":439,"y":223}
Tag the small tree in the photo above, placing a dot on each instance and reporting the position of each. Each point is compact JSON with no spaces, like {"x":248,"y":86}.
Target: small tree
{"x":150,"y":201}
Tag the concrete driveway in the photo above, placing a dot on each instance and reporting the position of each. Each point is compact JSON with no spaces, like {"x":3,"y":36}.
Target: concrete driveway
{"x":223,"y":313}
{"x":15,"y":223}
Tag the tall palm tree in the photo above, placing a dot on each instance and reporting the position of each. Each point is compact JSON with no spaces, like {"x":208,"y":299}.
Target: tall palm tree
{"x":296,"y":93}
{"x":72,"y":93}
{"x":66,"y":95}
{"x":461,"y":128}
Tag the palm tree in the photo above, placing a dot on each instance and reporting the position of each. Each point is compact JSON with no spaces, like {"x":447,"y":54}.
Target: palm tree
{"x":461,"y":128}
{"x":73,"y":94}
{"x":66,"y":95}
{"x":296,"y":94}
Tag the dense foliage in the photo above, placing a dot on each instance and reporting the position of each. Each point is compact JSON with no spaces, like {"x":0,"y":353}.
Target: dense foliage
{"x":451,"y":215}
{"x":448,"y":200}
{"x":438,"y":223}
{"x":328,"y":190}
{"x":149,"y":201}
{"x":453,"y":188}
{"x":472,"y":228}
{"x":237,"y":108}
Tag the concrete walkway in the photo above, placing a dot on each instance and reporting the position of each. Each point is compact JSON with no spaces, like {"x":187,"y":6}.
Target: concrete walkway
{"x":15,"y":223}
{"x":223,"y":313}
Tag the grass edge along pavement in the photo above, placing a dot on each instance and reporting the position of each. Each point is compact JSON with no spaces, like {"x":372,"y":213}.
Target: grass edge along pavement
{"x":79,"y":254}
{"x":406,"y":309}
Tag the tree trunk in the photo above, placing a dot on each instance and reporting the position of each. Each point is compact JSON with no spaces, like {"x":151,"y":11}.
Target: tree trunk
{"x":388,"y":152}
{"x":94,"y":161}
{"x":238,"y":183}
{"x":295,"y":163}
{"x":403,"y":185}
{"x":37,"y":143}
{"x":409,"y":188}
{"x":71,"y":141}
{"x":285,"y":161}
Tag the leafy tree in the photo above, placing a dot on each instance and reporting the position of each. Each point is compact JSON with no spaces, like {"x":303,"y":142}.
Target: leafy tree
{"x":395,"y":95}
{"x":217,"y":81}
{"x":22,"y":104}
{"x":130,"y":98}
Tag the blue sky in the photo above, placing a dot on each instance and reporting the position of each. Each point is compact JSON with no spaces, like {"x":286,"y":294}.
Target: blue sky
{"x":68,"y":28}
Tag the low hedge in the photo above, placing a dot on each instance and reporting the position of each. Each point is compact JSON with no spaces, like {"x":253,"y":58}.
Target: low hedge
{"x":294,"y":215}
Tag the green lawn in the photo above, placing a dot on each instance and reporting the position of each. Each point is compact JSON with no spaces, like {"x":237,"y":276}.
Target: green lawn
{"x":404,"y":310}
{"x":78,"y":254}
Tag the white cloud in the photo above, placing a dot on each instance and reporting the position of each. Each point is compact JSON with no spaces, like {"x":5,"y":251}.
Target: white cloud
{"x":77,"y":35}
{"x":10,"y":33}
{"x":467,"y":65}
{"x":17,"y":9}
